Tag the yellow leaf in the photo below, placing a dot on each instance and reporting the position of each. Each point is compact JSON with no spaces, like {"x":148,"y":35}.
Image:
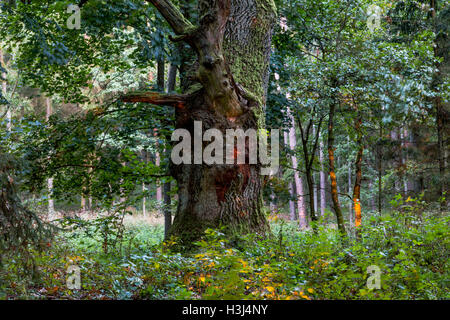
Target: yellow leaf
{"x":270,"y":289}
{"x":310,"y":290}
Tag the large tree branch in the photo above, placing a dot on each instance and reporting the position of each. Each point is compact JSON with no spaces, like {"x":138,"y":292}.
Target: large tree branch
{"x":174,"y":100}
{"x":173,"y":16}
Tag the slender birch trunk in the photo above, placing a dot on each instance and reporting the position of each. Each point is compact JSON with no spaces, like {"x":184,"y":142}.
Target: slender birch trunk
{"x":51,"y":207}
{"x":323,"y":201}
{"x":297,"y":179}
{"x":292,"y":213}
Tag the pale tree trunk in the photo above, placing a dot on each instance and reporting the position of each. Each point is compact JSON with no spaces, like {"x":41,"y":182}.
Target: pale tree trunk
{"x":4,"y":91}
{"x":349,"y":173}
{"x":379,"y":169}
{"x":160,"y":83}
{"x":403,"y":135}
{"x":144,"y":201}
{"x":83,"y":203}
{"x":350,"y":205}
{"x":171,"y":82}
{"x":315,"y":194}
{"x":297,"y":179}
{"x":323,"y":202}
{"x":292,"y":214}
{"x":157,"y":163}
{"x":313,"y":176}
{"x":144,"y":187}
{"x":51,"y":207}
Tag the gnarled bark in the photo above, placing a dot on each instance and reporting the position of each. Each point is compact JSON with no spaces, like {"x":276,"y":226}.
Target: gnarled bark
{"x":232,"y":43}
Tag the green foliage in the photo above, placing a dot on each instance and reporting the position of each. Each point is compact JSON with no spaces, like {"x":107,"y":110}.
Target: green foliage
{"x":290,"y":265}
{"x":21,"y":229}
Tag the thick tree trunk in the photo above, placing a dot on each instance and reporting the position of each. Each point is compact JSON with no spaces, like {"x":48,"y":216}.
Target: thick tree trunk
{"x":232,"y":43}
{"x":334,"y":189}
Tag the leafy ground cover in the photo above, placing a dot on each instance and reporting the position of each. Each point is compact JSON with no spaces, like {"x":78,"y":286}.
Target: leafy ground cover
{"x":412,"y":257}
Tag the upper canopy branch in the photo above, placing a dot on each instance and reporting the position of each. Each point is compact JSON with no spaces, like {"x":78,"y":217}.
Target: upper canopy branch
{"x":173,"y":16}
{"x":174,"y":100}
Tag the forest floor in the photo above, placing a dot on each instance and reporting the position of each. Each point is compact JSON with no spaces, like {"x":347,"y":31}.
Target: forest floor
{"x":131,"y":261}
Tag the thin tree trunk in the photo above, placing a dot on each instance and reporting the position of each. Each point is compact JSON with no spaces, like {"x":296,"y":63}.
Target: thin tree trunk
{"x":350,"y":206}
{"x":160,"y":83}
{"x":308,"y":157}
{"x":292,"y":213}
{"x":297,"y":179}
{"x":358,"y":176}
{"x":51,"y":206}
{"x":372,"y":198}
{"x":4,"y":92}
{"x":334,"y":189}
{"x":440,"y":50}
{"x":315,"y":194}
{"x":171,"y":81}
{"x":144,"y":187}
{"x":323,"y":202}
{"x":167,"y":212}
{"x":380,"y":176}
{"x":403,"y":135}
{"x":313,"y":176}
{"x":157,"y":163}
{"x":83,"y":203}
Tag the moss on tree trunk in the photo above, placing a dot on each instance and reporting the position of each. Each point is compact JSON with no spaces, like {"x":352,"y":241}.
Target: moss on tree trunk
{"x":227,"y":91}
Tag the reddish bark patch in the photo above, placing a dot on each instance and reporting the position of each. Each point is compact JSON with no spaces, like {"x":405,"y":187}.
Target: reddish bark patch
{"x":223,"y":182}
{"x":244,"y":170}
